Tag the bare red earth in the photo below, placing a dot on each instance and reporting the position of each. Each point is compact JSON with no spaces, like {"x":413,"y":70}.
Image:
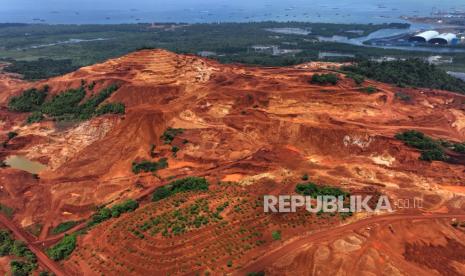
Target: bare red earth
{"x":251,"y":131}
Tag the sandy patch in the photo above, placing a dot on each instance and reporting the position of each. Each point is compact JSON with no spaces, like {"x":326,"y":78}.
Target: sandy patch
{"x":384,"y":160}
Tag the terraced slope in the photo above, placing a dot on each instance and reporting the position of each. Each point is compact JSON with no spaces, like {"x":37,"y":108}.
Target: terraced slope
{"x":251,"y":132}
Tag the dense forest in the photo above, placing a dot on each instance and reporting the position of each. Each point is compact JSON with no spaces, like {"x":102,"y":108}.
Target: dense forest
{"x":411,"y":72}
{"x":41,"y":68}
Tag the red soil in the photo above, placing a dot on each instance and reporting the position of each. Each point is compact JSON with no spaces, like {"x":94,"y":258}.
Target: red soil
{"x":261,"y":127}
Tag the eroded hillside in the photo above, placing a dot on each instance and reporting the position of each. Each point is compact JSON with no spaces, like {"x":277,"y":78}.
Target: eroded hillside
{"x":251,"y":132}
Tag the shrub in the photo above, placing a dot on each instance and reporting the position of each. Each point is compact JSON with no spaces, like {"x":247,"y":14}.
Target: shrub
{"x":88,"y":109}
{"x":460,"y":148}
{"x":358,"y":79}
{"x":35,"y":117}
{"x":417,"y":140}
{"x":7,"y":211}
{"x":276,"y":235}
{"x":65,"y":104}
{"x":305,"y":177}
{"x":20,"y":268}
{"x":325,"y":79}
{"x":63,"y":248}
{"x":403,"y":97}
{"x":179,"y":186}
{"x":111,"y":108}
{"x":368,"y":90}
{"x":171,"y":133}
{"x":127,"y":206}
{"x":29,"y":100}
{"x":147,"y":166}
{"x":313,"y":190}
{"x":11,"y":247}
{"x":100,"y":216}
{"x":434,"y":154}
{"x":63,"y":227}
{"x":431,"y":149}
{"x":104,"y":214}
{"x":91,"y":86}
{"x":11,"y":135}
{"x":260,"y":273}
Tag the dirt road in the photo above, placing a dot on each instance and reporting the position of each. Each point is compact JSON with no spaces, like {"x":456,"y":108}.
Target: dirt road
{"x":267,"y":260}
{"x":43,"y":259}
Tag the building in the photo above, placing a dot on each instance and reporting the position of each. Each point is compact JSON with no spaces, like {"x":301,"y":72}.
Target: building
{"x":424,"y":36}
{"x":445,"y":39}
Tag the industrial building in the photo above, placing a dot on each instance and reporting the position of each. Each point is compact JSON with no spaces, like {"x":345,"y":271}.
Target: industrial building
{"x":445,"y":39}
{"x":435,"y":37}
{"x":424,"y":36}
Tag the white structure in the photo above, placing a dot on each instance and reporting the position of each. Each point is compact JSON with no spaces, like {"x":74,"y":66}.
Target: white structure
{"x":444,"y":39}
{"x":424,"y":36}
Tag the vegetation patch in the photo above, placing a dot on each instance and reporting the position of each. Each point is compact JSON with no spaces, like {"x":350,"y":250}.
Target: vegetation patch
{"x":35,"y":117}
{"x":179,"y":186}
{"x":323,"y":79}
{"x":104,"y":214}
{"x":89,"y":108}
{"x":368,"y":90}
{"x":12,"y":247}
{"x":64,"y":248}
{"x":276,"y":235}
{"x":111,"y":108}
{"x":7,"y":211}
{"x":411,"y":72}
{"x":42,"y":68}
{"x":403,"y":97}
{"x":65,"y":106}
{"x":171,"y":133}
{"x":430,"y":148}
{"x":314,"y":190}
{"x":147,"y":166}
{"x":30,"y":100}
{"x":358,"y":79}
{"x":64,"y":226}
{"x":11,"y":135}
